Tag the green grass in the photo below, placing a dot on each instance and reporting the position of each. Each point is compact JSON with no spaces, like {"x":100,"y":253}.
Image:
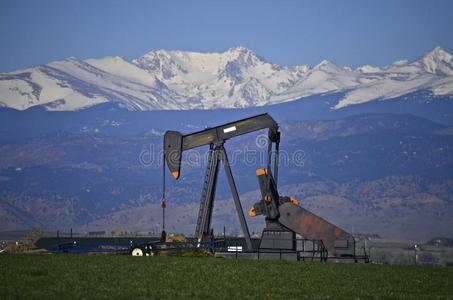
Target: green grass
{"x":43,"y":276}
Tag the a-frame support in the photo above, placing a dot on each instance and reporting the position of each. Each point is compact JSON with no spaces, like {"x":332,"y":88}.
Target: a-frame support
{"x":217,"y":154}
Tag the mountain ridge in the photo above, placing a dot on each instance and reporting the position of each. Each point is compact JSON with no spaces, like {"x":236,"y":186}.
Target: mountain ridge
{"x":236,"y":78}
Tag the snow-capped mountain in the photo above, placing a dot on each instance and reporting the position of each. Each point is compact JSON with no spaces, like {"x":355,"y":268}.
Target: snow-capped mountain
{"x":236,"y":78}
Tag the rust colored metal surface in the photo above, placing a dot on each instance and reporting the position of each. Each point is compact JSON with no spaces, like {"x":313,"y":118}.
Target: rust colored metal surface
{"x":310,"y":226}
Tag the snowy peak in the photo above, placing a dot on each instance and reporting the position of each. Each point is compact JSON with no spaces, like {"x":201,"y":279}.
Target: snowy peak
{"x":227,"y":79}
{"x":239,"y":49}
{"x":244,"y":56}
{"x":235,"y":78}
{"x":438,"y":61}
{"x":438,"y":54}
{"x":433,"y":72}
{"x":162,"y":63}
{"x":169,"y":64}
{"x":325,"y":64}
{"x":329,"y":67}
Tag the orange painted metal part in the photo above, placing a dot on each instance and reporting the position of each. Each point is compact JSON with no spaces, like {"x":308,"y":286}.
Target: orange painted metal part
{"x":252,"y":212}
{"x":261,"y":171}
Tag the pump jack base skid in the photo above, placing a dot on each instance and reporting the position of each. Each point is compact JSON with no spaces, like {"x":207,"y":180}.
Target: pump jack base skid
{"x":289,"y":256}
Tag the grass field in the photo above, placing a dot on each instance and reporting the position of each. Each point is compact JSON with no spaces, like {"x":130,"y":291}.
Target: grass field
{"x":44,"y":276}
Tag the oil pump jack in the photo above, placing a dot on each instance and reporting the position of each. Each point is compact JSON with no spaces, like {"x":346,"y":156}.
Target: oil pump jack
{"x":284,"y":217}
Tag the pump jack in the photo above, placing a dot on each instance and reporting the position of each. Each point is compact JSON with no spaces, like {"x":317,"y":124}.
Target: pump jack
{"x":284,"y":217}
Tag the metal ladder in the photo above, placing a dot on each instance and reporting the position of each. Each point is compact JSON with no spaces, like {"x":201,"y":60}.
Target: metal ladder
{"x":205,"y":211}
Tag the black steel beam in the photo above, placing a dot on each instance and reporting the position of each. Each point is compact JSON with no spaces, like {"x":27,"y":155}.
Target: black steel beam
{"x":237,"y":202}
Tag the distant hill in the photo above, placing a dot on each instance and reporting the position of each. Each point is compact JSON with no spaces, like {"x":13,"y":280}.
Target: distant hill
{"x":388,"y":174}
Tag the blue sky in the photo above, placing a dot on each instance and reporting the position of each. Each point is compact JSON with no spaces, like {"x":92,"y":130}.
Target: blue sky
{"x":285,"y":32}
